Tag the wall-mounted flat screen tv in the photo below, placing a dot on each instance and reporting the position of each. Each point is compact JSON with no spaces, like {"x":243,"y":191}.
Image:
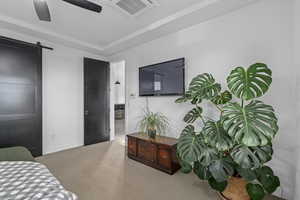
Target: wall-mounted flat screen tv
{"x":162,"y":79}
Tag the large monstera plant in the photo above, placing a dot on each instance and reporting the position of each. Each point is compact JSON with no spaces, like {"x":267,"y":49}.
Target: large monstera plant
{"x":239,"y":142}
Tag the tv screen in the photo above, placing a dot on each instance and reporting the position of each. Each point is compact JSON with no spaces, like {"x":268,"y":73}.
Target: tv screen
{"x":162,"y":79}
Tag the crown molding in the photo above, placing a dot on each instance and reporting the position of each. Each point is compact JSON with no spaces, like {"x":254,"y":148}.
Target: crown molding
{"x":52,"y":36}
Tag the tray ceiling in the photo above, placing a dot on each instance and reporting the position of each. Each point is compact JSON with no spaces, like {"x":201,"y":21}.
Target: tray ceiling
{"x":112,"y":30}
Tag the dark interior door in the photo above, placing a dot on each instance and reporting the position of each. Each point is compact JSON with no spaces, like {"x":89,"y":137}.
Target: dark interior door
{"x":20,"y":95}
{"x":96,"y":104}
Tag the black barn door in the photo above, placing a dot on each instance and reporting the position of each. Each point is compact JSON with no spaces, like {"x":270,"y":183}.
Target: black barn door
{"x":20,"y":95}
{"x":96,"y":101}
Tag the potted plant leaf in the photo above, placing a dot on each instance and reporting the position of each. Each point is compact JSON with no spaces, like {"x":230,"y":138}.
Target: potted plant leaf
{"x":231,"y":151}
{"x":153,"y":123}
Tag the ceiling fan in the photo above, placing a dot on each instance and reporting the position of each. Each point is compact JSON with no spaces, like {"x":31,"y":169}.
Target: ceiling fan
{"x":42,"y":9}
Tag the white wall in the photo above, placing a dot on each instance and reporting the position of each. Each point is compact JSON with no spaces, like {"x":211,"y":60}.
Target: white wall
{"x":62,"y":94}
{"x":296,"y":46}
{"x":261,"y":32}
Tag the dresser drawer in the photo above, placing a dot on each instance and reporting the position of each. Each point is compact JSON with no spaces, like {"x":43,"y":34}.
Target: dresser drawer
{"x":164,"y":158}
{"x":146,"y":151}
{"x":132,"y":147}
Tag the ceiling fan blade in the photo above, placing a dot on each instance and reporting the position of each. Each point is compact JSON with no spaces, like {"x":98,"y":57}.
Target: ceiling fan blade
{"x":86,"y":5}
{"x":42,"y":10}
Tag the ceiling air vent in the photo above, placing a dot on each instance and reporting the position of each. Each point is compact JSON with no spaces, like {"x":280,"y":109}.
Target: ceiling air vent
{"x":134,"y":7}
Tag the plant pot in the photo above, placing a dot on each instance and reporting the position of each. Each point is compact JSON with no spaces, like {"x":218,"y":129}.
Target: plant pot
{"x":236,"y":190}
{"x":152,"y":133}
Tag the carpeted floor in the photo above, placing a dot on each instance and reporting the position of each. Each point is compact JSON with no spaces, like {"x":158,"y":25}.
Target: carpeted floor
{"x":103,"y":172}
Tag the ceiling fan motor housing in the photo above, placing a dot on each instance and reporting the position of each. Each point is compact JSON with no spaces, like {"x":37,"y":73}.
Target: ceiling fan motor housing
{"x":42,"y":9}
{"x":86,"y":5}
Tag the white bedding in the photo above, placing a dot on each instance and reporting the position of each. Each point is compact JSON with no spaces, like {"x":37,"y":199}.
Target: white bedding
{"x":30,"y":181}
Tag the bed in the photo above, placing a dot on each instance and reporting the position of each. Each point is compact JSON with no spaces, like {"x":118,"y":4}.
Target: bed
{"x":22,"y":178}
{"x":15,"y":154}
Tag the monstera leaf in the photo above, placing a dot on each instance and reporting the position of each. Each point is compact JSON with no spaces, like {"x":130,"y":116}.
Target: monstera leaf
{"x":251,"y":83}
{"x":218,"y":186}
{"x":189,"y":146}
{"x":193,"y":115}
{"x":263,"y":153}
{"x":264,"y":170}
{"x":251,"y":157}
{"x":207,"y":155}
{"x":196,"y":100}
{"x":189,"y":129}
{"x":247,"y":174}
{"x":270,"y":183}
{"x":222,"y":98}
{"x":221,"y":169}
{"x":255,"y":191}
{"x":186,"y":167}
{"x":252,"y":125}
{"x":186,"y":97}
{"x":181,"y":100}
{"x":201,"y":171}
{"x":216,"y":136}
{"x":204,"y":86}
{"x":268,"y":180}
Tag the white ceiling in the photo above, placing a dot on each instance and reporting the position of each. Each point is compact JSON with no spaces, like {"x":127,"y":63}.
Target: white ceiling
{"x":110,"y":31}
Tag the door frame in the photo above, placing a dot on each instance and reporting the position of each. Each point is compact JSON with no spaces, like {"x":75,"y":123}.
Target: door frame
{"x":107,"y":100}
{"x":112,"y":102}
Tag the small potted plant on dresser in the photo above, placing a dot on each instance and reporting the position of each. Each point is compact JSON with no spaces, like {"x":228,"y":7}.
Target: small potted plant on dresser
{"x":153,"y":123}
{"x":230,"y":152}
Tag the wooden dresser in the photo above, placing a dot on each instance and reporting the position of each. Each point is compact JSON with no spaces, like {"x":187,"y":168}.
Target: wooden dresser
{"x":159,"y":153}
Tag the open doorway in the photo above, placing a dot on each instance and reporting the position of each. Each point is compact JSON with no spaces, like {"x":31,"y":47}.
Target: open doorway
{"x":118,"y":98}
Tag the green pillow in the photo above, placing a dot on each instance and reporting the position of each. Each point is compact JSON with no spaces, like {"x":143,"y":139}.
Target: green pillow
{"x":15,"y":154}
